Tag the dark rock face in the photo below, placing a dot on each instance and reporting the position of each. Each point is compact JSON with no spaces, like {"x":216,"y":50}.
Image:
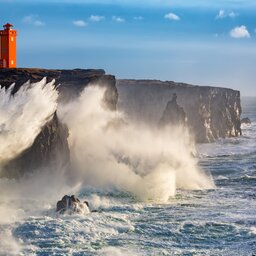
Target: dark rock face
{"x":246,"y":120}
{"x":50,"y":151}
{"x":71,"y":82}
{"x":173,"y":114}
{"x":72,"y":205}
{"x":211,"y":112}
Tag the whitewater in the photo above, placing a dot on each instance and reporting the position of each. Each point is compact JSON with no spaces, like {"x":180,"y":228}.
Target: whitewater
{"x":152,"y":195}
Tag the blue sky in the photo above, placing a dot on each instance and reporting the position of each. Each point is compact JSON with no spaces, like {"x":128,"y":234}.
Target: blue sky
{"x":205,"y":42}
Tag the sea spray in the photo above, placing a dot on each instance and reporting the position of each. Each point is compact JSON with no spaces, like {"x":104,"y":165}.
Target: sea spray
{"x":23,"y":114}
{"x":107,"y":150}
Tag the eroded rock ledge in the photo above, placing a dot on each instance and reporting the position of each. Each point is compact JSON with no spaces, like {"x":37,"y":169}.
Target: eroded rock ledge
{"x":211,"y":112}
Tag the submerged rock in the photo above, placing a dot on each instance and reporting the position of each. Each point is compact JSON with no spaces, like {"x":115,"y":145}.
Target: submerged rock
{"x":72,"y":205}
{"x":246,"y":120}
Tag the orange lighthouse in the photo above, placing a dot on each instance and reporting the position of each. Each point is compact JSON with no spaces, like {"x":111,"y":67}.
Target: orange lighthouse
{"x":8,"y":47}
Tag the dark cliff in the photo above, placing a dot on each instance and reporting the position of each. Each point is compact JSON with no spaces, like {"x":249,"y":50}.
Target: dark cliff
{"x":71,"y":82}
{"x":49,"y":151}
{"x":211,"y":112}
{"x":50,"y":148}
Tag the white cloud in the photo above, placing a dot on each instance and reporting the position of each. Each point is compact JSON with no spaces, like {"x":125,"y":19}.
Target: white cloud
{"x":28,"y":19}
{"x":172,"y":16}
{"x":96,"y":18}
{"x":118,"y":19}
{"x":233,"y":14}
{"x":240,"y":32}
{"x":138,"y":18}
{"x":39,"y":23}
{"x":79,"y":23}
{"x":33,"y":20}
{"x":223,"y":14}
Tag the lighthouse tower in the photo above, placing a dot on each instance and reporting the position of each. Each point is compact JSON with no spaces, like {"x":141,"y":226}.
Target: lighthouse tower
{"x":8,"y":47}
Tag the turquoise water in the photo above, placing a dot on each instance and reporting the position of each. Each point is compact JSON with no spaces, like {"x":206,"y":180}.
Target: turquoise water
{"x":220,"y":221}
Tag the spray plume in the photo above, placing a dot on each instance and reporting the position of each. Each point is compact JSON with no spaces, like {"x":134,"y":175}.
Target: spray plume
{"x":23,"y":114}
{"x":107,"y":151}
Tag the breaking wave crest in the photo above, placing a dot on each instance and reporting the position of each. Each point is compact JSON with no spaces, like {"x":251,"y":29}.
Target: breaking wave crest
{"x":107,"y":150}
{"x":23,"y":114}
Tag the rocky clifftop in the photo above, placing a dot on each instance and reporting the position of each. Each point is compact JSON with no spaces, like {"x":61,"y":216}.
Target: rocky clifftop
{"x":211,"y":112}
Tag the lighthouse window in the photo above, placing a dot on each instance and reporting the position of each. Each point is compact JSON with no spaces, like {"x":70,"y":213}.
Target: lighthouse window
{"x":12,"y":62}
{"x":12,"y":38}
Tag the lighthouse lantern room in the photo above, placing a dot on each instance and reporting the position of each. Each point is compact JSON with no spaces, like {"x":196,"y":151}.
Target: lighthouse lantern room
{"x":8,"y":47}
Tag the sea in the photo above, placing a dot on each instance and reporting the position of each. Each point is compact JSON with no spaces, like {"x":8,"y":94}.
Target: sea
{"x":217,"y":221}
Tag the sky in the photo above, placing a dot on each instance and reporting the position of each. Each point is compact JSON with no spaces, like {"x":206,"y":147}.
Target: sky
{"x":202,"y":42}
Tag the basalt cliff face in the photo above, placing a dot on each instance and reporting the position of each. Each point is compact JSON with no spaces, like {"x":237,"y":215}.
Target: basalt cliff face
{"x":71,"y":82}
{"x":211,"y":112}
{"x":49,"y":151}
{"x":50,"y":148}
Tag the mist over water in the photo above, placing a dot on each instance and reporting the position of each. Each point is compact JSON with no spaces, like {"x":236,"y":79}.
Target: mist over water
{"x":109,"y":150}
{"x":22,"y":117}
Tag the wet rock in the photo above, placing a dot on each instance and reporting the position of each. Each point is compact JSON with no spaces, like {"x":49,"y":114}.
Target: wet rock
{"x":49,"y":152}
{"x":72,"y":205}
{"x":246,"y":120}
{"x":71,"y":82}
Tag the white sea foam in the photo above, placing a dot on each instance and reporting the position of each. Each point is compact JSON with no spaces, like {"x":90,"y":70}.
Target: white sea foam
{"x":253,"y":230}
{"x":113,"y":251}
{"x":106,"y":151}
{"x":22,"y":116}
{"x":8,"y":243}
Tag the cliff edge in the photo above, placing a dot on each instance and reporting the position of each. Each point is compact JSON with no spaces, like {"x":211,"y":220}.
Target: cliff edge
{"x":71,"y":82}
